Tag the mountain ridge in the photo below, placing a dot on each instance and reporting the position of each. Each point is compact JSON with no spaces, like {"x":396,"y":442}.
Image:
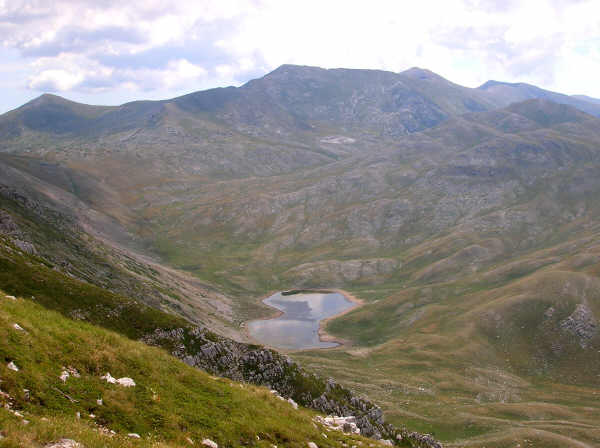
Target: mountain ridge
{"x":468,"y":225}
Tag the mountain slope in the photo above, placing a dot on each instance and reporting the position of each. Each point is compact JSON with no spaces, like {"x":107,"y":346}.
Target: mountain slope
{"x":506,"y":93}
{"x":290,"y":100}
{"x":171,"y":404}
{"x":466,"y":221}
{"x":23,"y":274}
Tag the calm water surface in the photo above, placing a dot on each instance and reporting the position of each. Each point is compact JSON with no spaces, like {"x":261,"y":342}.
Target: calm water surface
{"x":298,"y":326}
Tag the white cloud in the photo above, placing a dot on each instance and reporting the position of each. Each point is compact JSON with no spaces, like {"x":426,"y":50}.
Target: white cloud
{"x":91,"y":47}
{"x":57,"y":80}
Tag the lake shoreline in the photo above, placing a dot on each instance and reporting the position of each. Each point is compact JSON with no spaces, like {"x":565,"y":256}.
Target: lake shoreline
{"x":324,"y":336}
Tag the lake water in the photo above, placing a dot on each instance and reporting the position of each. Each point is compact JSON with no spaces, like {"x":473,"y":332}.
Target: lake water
{"x":298,"y":326}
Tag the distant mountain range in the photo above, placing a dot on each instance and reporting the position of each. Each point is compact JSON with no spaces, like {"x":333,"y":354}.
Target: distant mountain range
{"x":294,"y":99}
{"x":466,"y":219}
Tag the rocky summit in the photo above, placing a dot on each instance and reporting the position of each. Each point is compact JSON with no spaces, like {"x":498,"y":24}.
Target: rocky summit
{"x":464,"y":220}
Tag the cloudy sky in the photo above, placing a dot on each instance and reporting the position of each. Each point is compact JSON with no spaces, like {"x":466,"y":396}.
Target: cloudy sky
{"x":113,"y":51}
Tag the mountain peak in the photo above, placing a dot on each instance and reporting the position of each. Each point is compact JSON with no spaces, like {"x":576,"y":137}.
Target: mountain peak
{"x":46,"y":98}
{"x":493,"y":83}
{"x":420,"y":73}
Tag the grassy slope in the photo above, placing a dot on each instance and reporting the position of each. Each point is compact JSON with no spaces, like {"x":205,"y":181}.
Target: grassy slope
{"x":29,"y":276}
{"x":475,"y":361}
{"x":170,"y":402}
{"x":408,"y":360}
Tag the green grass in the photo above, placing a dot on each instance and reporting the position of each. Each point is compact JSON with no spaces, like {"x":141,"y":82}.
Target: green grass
{"x":169,"y":403}
{"x":29,"y":276}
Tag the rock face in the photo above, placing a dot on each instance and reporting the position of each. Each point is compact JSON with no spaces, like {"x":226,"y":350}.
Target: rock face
{"x":345,"y":424}
{"x":581,"y":323}
{"x":9,"y":228}
{"x":200,"y":348}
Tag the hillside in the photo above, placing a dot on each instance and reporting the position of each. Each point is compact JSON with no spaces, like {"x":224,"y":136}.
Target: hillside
{"x":466,"y":219}
{"x":170,"y":404}
{"x":506,"y":93}
{"x":23,"y":274}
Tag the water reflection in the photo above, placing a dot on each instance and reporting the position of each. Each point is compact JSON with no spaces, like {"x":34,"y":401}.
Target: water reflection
{"x":298,"y":326}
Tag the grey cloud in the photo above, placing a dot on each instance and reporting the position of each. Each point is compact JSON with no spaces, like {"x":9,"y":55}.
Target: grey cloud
{"x":21,"y":17}
{"x":79,"y":40}
{"x":200,"y":53}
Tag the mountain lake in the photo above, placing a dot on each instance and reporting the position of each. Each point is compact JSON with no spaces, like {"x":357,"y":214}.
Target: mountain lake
{"x":297,"y":327}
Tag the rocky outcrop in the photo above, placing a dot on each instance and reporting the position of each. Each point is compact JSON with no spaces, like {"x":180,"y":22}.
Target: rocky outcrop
{"x":64,"y":443}
{"x":581,"y":323}
{"x":200,"y":348}
{"x":9,"y":228}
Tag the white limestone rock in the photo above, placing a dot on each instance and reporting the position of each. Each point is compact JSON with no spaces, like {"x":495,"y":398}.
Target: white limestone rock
{"x":12,"y":366}
{"x":126,"y":382}
{"x":209,"y":443}
{"x":109,"y":378}
{"x":64,"y":443}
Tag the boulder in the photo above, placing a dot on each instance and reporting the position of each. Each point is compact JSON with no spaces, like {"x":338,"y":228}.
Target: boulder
{"x":209,"y":443}
{"x":126,"y":382}
{"x":109,"y":378}
{"x":12,"y":366}
{"x":64,"y":443}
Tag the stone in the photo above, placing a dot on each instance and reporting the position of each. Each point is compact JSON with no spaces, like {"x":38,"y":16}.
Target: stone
{"x":387,"y":442}
{"x":12,"y":366}
{"x":581,"y":323}
{"x":18,"y":327}
{"x":64,"y":443}
{"x":11,"y":297}
{"x":312,"y":445}
{"x":293,"y":403}
{"x":126,"y":382}
{"x":99,"y":402}
{"x":109,"y":378}
{"x":209,"y":443}
{"x":64,"y":376}
{"x":134,"y":435}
